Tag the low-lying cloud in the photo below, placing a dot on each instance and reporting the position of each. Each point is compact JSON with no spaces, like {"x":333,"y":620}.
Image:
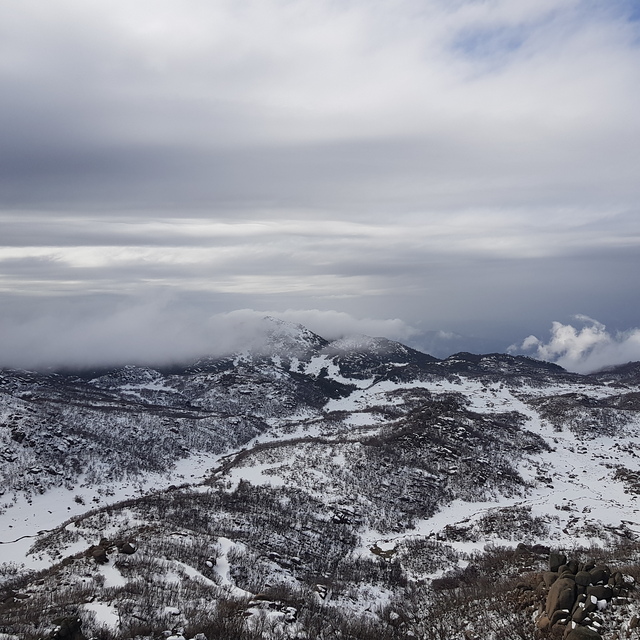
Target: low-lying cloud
{"x":160,"y":333}
{"x":584,"y":349}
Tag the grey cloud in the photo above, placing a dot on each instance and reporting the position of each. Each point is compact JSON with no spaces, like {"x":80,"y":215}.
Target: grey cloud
{"x":95,"y":116}
{"x":156,"y":331}
{"x":447,"y":172}
{"x":466,"y":166}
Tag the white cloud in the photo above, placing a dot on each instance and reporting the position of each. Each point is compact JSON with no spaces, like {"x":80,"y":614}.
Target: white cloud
{"x":158,"y":332}
{"x":584,"y":349}
{"x":336,"y":324}
{"x":529,"y":343}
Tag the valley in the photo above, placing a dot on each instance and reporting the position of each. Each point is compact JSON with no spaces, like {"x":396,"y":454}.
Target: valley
{"x":310,"y":490}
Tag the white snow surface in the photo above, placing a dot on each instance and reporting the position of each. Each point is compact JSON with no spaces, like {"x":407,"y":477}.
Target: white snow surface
{"x":21,"y":523}
{"x":582,"y":491}
{"x":105,"y":614}
{"x":112,"y":577}
{"x":222,"y":567}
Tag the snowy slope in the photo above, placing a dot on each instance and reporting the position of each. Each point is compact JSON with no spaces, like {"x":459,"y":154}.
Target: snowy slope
{"x":340,"y":469}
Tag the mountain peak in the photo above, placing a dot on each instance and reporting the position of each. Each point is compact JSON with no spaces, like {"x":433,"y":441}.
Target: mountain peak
{"x":286,"y":339}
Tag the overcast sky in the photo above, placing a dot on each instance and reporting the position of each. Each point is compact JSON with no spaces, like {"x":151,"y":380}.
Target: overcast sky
{"x":450,"y":173}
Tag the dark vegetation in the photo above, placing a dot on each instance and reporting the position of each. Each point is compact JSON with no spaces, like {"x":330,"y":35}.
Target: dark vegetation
{"x":498,"y":594}
{"x":284,"y":556}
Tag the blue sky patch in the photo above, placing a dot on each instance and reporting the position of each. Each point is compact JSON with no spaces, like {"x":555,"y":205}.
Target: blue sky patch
{"x":485,"y":43}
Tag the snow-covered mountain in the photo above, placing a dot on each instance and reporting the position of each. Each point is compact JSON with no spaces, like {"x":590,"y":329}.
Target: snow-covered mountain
{"x":304,"y":488}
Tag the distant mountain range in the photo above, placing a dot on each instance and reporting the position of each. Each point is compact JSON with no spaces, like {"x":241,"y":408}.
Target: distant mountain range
{"x":310,"y":489}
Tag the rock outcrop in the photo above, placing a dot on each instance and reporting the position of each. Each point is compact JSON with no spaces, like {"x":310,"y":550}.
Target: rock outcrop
{"x":577,"y":595}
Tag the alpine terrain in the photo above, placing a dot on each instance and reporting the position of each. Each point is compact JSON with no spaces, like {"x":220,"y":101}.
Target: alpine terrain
{"x":321,"y":490}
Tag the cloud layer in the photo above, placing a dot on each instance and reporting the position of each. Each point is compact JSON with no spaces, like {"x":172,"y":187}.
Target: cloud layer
{"x":467,"y":167}
{"x":318,"y":104}
{"x":159,"y":333}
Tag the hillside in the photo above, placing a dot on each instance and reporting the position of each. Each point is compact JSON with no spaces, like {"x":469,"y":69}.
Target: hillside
{"x":314,"y":489}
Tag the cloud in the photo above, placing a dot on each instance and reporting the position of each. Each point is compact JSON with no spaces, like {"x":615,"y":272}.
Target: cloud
{"x":154,"y":331}
{"x":336,"y":324}
{"x":584,"y":349}
{"x":179,"y":104}
{"x":461,"y":165}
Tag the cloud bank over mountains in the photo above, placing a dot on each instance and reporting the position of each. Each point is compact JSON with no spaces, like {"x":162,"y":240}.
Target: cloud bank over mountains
{"x":584,"y":349}
{"x":466,"y":168}
{"x":163,"y":334}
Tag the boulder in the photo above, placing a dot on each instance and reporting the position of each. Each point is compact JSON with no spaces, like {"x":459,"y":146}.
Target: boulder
{"x":583,"y":578}
{"x":127,"y":548}
{"x":591,"y":605}
{"x":556,"y":560}
{"x":99,"y":554}
{"x":540,"y":549}
{"x":562,"y":595}
{"x":559,"y":617}
{"x":543,"y":622}
{"x":600,"y":592}
{"x":580,"y":615}
{"x":68,"y":628}
{"x":617,"y":579}
{"x":566,"y":574}
{"x":549,"y":577}
{"x":18,"y":436}
{"x":600,"y":575}
{"x":572,"y":566}
{"x":582,"y":633}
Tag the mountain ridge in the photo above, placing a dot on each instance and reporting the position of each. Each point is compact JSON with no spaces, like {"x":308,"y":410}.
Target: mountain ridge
{"x":327,"y":469}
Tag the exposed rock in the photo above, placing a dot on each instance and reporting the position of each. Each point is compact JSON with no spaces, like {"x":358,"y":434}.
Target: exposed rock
{"x":600,"y":575}
{"x":18,"y":436}
{"x":69,"y":628}
{"x":99,"y":554}
{"x":543,"y":622}
{"x":584,"y":599}
{"x":583,"y":602}
{"x":617,"y":579}
{"x":582,"y":633}
{"x":127,"y":548}
{"x":600,"y":592}
{"x":580,"y":615}
{"x":549,"y":577}
{"x":567,"y":574}
{"x":540,"y":549}
{"x":556,"y":560}
{"x":583,"y":578}
{"x":562,"y":595}
{"x":559,"y":617}
{"x":573,"y":566}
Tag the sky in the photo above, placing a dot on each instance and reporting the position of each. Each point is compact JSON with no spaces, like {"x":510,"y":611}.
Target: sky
{"x":454,"y":174}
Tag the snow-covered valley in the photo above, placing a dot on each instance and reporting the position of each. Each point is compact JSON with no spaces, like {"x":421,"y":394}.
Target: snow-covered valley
{"x":308,"y":486}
